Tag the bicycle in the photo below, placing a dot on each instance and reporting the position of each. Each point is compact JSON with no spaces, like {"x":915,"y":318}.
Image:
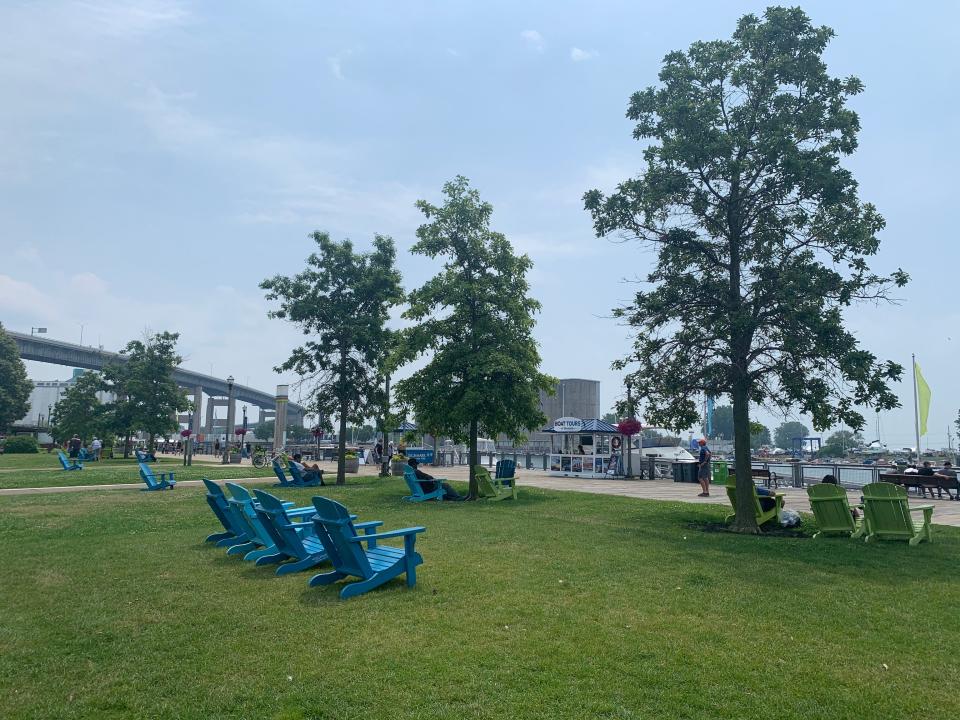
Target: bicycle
{"x":262,"y":460}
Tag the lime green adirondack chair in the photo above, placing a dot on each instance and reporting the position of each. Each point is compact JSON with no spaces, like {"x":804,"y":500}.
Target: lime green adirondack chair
{"x":763,"y":516}
{"x":887,"y":515}
{"x":831,"y":509}
{"x":492,"y":488}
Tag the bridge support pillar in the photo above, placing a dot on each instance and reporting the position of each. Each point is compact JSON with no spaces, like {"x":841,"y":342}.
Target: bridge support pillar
{"x":280,"y":421}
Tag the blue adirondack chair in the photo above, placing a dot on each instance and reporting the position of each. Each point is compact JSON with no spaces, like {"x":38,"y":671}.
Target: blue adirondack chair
{"x":417,"y":493}
{"x":296,"y":540}
{"x":298,"y":479}
{"x":234,"y":532}
{"x":144,"y":456}
{"x":153,"y":483}
{"x":260,"y":546}
{"x":506,"y":472}
{"x":278,"y":471}
{"x":67,"y":463}
{"x":375,"y":565}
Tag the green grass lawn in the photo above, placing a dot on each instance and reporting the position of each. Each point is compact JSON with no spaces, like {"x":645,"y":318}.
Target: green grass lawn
{"x":43,"y":470}
{"x":561,"y":605}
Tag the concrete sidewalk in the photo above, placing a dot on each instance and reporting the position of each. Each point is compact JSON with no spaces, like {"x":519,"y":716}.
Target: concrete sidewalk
{"x":947,"y":512}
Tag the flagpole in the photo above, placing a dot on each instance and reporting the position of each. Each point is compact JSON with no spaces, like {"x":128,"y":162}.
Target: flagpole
{"x":916,"y":405}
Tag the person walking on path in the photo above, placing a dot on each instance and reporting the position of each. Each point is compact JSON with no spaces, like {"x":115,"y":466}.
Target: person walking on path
{"x":75,"y":445}
{"x":703,"y":468}
{"x":96,"y":446}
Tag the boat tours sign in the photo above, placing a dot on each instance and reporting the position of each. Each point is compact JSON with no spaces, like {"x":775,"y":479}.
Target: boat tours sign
{"x":567,"y":425}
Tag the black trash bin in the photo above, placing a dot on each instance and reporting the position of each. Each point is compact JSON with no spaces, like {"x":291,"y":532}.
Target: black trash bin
{"x":685,"y":472}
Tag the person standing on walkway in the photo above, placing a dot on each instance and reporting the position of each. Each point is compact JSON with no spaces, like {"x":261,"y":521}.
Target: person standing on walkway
{"x":703,"y":468}
{"x":75,"y":445}
{"x":96,"y":446}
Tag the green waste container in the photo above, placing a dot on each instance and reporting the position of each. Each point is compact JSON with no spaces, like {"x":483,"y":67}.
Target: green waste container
{"x":719,"y":472}
{"x":685,"y":472}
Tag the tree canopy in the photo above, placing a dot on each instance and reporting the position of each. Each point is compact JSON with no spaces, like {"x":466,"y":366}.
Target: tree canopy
{"x":149,"y":387}
{"x":840,"y":443}
{"x":342,"y":301}
{"x":759,"y":231}
{"x":79,"y":410}
{"x":785,"y":433}
{"x":476,"y":316}
{"x":15,"y":386}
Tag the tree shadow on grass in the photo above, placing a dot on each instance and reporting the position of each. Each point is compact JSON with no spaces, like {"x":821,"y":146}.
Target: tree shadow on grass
{"x":834,"y":558}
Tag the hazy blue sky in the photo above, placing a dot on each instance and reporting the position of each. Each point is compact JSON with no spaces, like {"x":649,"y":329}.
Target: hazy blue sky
{"x":158,"y":159}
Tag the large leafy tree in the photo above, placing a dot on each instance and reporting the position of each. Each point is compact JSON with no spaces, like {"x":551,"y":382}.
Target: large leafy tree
{"x":785,"y":433}
{"x":759,"y":435}
{"x":759,"y":232}
{"x":840,"y":443}
{"x":121,"y":409}
{"x":149,"y":387}
{"x":723,"y":422}
{"x":476,"y":316}
{"x":79,"y":410}
{"x":342,"y":301}
{"x":264,"y":430}
{"x":15,"y":387}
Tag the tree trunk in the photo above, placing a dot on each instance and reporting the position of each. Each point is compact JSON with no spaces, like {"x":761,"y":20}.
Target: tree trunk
{"x":385,"y":460}
{"x":474,"y":491}
{"x":126,"y":446}
{"x":746,"y":519}
{"x":150,"y":446}
{"x":341,"y":460}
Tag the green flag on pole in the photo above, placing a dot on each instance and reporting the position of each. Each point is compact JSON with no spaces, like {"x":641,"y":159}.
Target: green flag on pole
{"x":923,"y":398}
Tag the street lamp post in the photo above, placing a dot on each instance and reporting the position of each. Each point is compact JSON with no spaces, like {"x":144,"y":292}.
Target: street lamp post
{"x":243,"y":438}
{"x":228,"y":429}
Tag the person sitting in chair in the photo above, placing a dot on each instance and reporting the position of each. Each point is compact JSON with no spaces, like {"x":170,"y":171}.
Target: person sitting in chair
{"x":310,"y":472}
{"x":831,"y":480}
{"x":429,"y":484}
{"x":767,"y":498}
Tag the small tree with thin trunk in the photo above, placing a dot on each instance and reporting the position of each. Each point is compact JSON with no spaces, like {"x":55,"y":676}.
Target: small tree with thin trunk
{"x":761,"y":239}
{"x":342,"y":301}
{"x":79,"y":410}
{"x":149,"y":385}
{"x":477,"y":318}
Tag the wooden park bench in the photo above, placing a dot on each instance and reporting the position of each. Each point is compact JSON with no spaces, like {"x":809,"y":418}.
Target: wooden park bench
{"x":764,"y":474}
{"x":922,"y":483}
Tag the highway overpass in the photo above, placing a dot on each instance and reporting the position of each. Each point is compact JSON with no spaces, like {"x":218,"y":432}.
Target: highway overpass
{"x":57,"y":352}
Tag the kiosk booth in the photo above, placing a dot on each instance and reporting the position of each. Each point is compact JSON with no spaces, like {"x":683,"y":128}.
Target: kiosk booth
{"x":585,"y":448}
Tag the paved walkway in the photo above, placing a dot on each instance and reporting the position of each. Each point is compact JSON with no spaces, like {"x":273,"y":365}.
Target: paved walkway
{"x":946,"y":513}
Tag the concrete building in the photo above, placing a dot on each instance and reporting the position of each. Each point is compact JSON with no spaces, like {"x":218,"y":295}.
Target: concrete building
{"x":43,"y":398}
{"x":572,"y":397}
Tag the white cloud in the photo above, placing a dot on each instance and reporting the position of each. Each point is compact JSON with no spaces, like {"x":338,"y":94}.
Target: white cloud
{"x":578,"y":55}
{"x":336,"y":67}
{"x":534,"y":40}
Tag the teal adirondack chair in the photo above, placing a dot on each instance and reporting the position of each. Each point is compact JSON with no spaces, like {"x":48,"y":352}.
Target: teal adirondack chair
{"x":886,"y":514}
{"x":164,"y":482}
{"x":260,"y":546}
{"x":296,"y":540}
{"x":831,"y":510}
{"x":234,"y":532}
{"x":493,"y":488}
{"x":67,"y":463}
{"x":278,"y":471}
{"x":375,"y":565}
{"x":417,"y":493}
{"x":298,"y":478}
{"x":763,"y":516}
